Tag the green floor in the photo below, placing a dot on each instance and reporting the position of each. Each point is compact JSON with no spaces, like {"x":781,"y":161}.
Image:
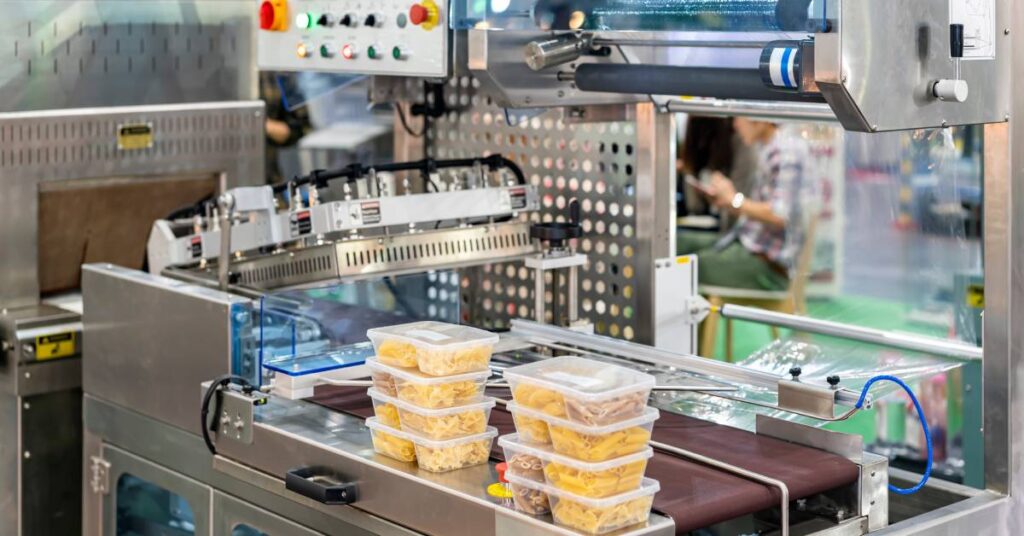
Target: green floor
{"x":749,"y":337}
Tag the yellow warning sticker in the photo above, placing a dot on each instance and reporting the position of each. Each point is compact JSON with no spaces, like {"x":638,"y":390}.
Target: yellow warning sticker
{"x":682,"y":260}
{"x":975,"y":296}
{"x":54,"y":346}
{"x":135,"y":136}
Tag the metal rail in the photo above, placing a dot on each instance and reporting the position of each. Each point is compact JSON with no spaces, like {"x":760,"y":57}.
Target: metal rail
{"x":902,"y":341}
{"x":772,"y":110}
{"x":544,"y":334}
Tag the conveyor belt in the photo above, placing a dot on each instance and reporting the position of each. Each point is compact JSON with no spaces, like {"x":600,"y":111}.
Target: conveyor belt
{"x":692,"y":494}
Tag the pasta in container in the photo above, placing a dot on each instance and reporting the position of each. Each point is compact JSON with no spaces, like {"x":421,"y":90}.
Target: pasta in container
{"x":390,"y":442}
{"x":445,"y":423}
{"x":595,"y":480}
{"x":582,"y":390}
{"x":593,"y":443}
{"x":596,"y":516}
{"x":414,"y":387}
{"x":435,"y":348}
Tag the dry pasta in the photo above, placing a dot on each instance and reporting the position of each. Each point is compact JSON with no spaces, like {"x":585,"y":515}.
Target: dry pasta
{"x":596,"y":520}
{"x":596,"y":448}
{"x":598,"y":484}
{"x":393,"y":447}
{"x":441,"y":395}
{"x":451,"y":457}
{"x":447,"y":426}
{"x":540,"y":399}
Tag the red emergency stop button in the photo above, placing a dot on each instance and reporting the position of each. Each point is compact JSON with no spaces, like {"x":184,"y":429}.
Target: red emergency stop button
{"x":273,"y":15}
{"x":425,"y":14}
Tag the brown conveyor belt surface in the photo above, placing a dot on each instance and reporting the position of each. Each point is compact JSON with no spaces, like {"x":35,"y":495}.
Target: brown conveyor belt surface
{"x":694,"y":495}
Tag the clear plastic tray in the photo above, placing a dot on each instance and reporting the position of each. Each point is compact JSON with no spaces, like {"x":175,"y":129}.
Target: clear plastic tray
{"x":596,"y":516}
{"x":436,"y":348}
{"x":441,"y":456}
{"x":391,"y":442}
{"x":445,"y":423}
{"x":581,"y":390}
{"x":414,"y":387}
{"x":529,"y":501}
{"x":586,"y":479}
{"x":592,"y":443}
{"x":385,"y":409}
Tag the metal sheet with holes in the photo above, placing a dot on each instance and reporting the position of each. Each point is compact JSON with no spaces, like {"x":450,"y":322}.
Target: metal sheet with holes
{"x":78,"y":53}
{"x":593,"y":162}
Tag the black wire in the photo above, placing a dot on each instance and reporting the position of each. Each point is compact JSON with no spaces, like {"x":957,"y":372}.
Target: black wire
{"x":405,"y":123}
{"x":218,"y":383}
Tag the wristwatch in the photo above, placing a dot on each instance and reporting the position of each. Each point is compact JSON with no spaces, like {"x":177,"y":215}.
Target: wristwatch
{"x":738,"y":200}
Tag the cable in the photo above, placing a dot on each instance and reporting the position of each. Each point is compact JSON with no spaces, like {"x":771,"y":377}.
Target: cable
{"x":924,"y":426}
{"x":405,"y":123}
{"x":218,"y":383}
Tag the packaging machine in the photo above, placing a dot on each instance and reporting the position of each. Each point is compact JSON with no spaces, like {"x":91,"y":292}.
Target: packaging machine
{"x":236,"y":292}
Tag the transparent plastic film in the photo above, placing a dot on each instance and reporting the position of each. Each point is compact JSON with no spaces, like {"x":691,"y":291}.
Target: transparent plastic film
{"x":645,"y":15}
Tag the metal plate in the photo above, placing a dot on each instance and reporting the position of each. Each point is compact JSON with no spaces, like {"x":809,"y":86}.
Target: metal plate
{"x":78,"y":144}
{"x":595,"y":163}
{"x":81,"y":53}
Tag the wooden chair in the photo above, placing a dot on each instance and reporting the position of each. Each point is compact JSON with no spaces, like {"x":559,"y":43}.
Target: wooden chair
{"x":792,"y":300}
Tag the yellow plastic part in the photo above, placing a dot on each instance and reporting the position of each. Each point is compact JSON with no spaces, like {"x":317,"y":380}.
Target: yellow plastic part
{"x":433,"y":15}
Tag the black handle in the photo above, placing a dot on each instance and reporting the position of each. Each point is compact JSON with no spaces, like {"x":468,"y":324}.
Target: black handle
{"x":320,"y":485}
{"x":956,"y":40}
{"x":574,"y":211}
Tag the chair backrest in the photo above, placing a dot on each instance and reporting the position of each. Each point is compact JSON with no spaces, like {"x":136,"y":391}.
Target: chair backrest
{"x":802,"y":270}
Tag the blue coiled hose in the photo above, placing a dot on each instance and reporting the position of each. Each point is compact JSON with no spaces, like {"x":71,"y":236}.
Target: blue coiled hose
{"x":924,"y":426}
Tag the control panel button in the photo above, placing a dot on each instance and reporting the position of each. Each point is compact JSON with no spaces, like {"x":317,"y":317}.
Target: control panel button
{"x":273,"y":15}
{"x":326,"y":50}
{"x":425,"y":14}
{"x":349,"y":20}
{"x":374,"y":20}
{"x":401,"y":20}
{"x":349,"y":52}
{"x":303,"y":50}
{"x":326,"y":20}
{"x":304,"y":20}
{"x":373,"y":52}
{"x":399,"y":53}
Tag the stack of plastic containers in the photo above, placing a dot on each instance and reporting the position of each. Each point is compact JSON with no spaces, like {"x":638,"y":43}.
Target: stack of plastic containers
{"x":582,"y":443}
{"x":428,"y":394}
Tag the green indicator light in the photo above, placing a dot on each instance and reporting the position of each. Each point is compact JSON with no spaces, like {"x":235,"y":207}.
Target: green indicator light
{"x":372,"y":52}
{"x":396,"y":53}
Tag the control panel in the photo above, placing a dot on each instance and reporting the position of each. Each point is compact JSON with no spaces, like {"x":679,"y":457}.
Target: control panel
{"x":375,"y":37}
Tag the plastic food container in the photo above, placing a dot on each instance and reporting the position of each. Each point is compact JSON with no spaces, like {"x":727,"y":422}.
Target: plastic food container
{"x":593,"y":443}
{"x":441,"y":456}
{"x":385,"y":410}
{"x":582,"y":390}
{"x":391,"y":442}
{"x":445,"y":423}
{"x":595,"y":480}
{"x":436,"y":348}
{"x":596,"y":516}
{"x":425,"y":391}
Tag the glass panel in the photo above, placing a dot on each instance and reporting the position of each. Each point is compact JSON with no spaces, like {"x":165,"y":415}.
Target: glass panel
{"x":896,"y":246}
{"x":246,"y":530}
{"x":313,"y":330}
{"x":145,"y":509}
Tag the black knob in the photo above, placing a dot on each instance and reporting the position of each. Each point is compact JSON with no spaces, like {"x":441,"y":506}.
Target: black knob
{"x":346,"y":20}
{"x":324,"y":20}
{"x":833,"y":380}
{"x":371,"y":21}
{"x":956,"y":40}
{"x":795,"y":372}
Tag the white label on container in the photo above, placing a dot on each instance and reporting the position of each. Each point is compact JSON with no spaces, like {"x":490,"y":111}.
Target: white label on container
{"x":979,"y":20}
{"x":579,"y":381}
{"x":426,"y":334}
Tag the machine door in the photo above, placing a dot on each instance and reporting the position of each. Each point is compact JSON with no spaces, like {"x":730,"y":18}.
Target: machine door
{"x":146,"y":499}
{"x":233,"y":517}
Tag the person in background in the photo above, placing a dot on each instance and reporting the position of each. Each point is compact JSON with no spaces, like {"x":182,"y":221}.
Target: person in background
{"x":284,"y":128}
{"x":711,"y":144}
{"x":761,"y":248}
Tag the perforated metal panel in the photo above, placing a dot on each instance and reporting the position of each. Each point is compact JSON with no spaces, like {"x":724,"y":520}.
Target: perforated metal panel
{"x":596,"y":163}
{"x":76,"y":53}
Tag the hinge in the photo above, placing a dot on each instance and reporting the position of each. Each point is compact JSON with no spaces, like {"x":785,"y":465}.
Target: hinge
{"x":100,"y":475}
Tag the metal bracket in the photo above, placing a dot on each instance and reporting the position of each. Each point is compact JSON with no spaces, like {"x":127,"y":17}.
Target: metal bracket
{"x":99,"y":475}
{"x":807,"y":399}
{"x":697,"y":309}
{"x":236,"y":415}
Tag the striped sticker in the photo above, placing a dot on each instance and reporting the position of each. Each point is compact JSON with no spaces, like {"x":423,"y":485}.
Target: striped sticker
{"x":782,"y":67}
